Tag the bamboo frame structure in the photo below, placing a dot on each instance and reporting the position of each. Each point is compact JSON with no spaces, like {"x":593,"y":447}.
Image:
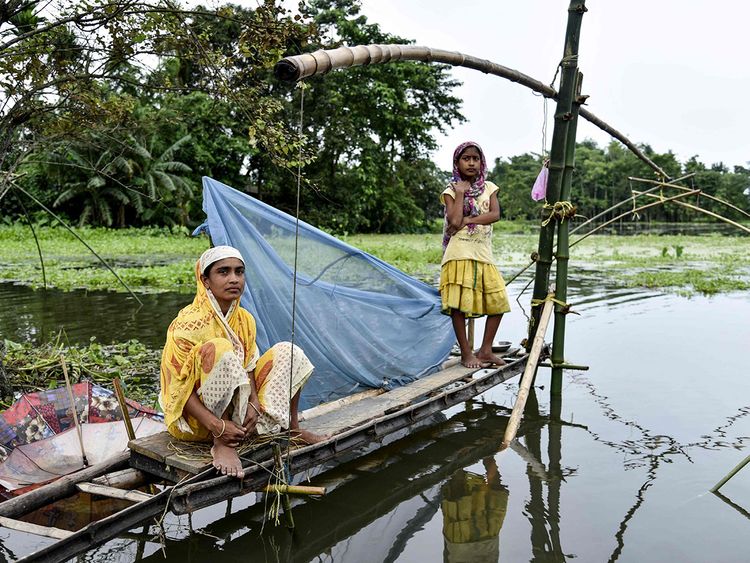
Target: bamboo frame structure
{"x":683,"y":188}
{"x":299,"y":67}
{"x":561,"y":166}
{"x":700,"y":209}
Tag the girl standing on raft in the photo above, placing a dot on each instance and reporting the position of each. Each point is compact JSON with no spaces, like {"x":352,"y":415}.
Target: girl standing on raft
{"x":470,"y":283}
{"x":215,"y":386}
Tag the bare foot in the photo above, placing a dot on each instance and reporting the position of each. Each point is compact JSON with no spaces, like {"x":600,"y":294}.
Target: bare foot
{"x":308,"y":437}
{"x":473,"y":362}
{"x":226,"y":461}
{"x":490,"y":358}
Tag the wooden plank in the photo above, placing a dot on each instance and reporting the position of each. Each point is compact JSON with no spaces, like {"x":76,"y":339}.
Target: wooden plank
{"x":37,"y":530}
{"x":348,"y":415}
{"x":112,"y":492}
{"x":324,"y":408}
{"x":151,"y":466}
{"x":353,"y":415}
{"x":188,"y":498}
{"x":155,"y":446}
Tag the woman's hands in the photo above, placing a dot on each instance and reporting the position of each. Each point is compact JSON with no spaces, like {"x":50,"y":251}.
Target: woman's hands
{"x":251,"y":417}
{"x":228,"y":433}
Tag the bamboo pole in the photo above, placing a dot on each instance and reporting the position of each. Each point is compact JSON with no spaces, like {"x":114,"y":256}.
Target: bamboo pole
{"x":562,"y":253}
{"x":627,"y":200}
{"x":36,"y":240}
{"x":129,"y":478}
{"x":295,"y":490}
{"x":73,"y":407}
{"x":578,"y":227}
{"x":731,"y":474}
{"x":303,"y":66}
{"x":564,"y":116}
{"x":124,"y":409}
{"x":470,"y":333}
{"x":641,"y":208}
{"x":37,"y":530}
{"x":112,"y":492}
{"x":528,"y":374}
{"x":285,"y":500}
{"x":63,"y":487}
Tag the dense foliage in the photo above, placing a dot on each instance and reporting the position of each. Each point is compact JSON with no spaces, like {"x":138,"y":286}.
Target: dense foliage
{"x":601,"y":179}
{"x":115,"y":109}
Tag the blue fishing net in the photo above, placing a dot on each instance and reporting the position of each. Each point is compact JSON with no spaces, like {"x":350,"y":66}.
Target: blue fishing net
{"x":363,"y":323}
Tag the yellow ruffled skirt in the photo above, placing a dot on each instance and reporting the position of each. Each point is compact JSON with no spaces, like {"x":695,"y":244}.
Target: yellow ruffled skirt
{"x":472,"y":287}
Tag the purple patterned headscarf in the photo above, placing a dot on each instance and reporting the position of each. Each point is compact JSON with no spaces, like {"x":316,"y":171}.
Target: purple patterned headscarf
{"x":471,"y":195}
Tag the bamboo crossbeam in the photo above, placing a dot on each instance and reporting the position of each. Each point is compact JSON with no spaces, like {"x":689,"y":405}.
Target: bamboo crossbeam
{"x":528,"y":374}
{"x":299,"y":67}
{"x":37,"y":530}
{"x":112,"y":492}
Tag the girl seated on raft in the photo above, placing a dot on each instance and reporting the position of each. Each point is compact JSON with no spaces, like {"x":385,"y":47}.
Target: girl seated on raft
{"x":215,"y":386}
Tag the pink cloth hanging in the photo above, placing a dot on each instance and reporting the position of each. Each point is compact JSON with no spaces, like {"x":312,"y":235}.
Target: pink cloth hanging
{"x":539,"y":191}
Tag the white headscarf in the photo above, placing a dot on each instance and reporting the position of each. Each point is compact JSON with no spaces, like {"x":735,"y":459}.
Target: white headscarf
{"x":209,"y":257}
{"x":218,"y":253}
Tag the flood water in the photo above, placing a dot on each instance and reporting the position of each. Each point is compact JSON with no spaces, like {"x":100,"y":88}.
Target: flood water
{"x":618,"y":471}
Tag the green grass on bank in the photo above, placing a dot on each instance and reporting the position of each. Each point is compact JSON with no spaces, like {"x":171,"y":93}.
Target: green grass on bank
{"x":153,"y":260}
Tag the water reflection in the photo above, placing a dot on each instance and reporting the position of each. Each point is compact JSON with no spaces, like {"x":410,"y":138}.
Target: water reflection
{"x":38,"y":315}
{"x":473,"y":509}
{"x":378,"y":504}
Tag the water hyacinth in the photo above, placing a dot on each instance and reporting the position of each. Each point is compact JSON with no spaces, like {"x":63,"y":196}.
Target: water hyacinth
{"x":26,"y":367}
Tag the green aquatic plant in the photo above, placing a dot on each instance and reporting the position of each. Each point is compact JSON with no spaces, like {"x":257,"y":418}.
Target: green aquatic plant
{"x":687,"y":282}
{"x":160,"y":259}
{"x":30,"y":367}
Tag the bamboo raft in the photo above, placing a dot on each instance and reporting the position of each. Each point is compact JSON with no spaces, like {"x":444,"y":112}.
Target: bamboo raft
{"x":189,"y":482}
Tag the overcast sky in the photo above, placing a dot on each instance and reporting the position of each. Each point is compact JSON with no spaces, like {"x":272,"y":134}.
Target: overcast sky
{"x":671,"y":73}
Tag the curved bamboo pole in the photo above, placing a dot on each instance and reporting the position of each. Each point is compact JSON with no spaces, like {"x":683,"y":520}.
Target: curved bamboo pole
{"x":700,"y":209}
{"x":299,"y":67}
{"x":684,"y":189}
{"x":621,"y":216}
{"x":631,"y":199}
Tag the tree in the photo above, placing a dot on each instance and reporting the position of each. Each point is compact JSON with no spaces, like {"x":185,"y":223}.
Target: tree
{"x":94,"y":180}
{"x":70,"y":68}
{"x":371,"y":130}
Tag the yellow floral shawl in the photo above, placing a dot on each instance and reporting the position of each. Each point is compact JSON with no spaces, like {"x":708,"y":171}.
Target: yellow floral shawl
{"x":194,"y":325}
